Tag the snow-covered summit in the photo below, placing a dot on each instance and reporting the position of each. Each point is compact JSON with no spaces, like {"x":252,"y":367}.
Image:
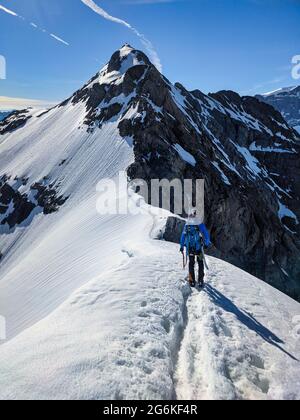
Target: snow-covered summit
{"x":286,"y":101}
{"x":286,"y":90}
{"x":121,"y":61}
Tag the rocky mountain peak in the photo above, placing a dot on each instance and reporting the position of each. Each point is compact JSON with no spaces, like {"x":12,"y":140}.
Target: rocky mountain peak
{"x":125,"y":58}
{"x":105,"y":94}
{"x":243,"y":148}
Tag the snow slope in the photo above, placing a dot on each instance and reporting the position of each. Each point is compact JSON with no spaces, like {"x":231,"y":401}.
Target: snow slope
{"x":49,"y":257}
{"x":129,"y":334}
{"x":242,"y":340}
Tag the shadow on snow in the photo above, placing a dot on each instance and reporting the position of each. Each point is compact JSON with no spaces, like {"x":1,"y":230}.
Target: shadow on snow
{"x":247,"y":319}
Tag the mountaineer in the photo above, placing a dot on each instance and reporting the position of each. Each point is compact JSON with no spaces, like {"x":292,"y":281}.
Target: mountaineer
{"x":194,"y":239}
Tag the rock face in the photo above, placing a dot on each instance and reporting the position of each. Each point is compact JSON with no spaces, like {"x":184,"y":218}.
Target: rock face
{"x":16,"y":207}
{"x":243,"y":148}
{"x":248,"y":156}
{"x":286,"y":101}
{"x":13,"y":121}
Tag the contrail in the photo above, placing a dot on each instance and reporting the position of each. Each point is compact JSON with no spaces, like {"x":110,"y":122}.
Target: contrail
{"x":147,"y":44}
{"x":59,"y":39}
{"x":12,"y":13}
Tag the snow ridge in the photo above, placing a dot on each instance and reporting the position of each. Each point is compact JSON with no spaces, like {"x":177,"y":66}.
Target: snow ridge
{"x":230,"y":348}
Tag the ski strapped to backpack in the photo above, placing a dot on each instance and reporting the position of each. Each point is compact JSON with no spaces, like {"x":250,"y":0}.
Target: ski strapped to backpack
{"x":204,"y":259}
{"x":185,"y":259}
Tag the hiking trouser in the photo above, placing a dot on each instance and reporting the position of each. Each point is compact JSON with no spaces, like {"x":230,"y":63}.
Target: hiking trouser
{"x":200,"y":261}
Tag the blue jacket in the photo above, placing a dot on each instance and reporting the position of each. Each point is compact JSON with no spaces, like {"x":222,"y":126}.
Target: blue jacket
{"x":203,"y":230}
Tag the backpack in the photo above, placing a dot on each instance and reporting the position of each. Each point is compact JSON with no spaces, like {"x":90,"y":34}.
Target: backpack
{"x":193,"y":239}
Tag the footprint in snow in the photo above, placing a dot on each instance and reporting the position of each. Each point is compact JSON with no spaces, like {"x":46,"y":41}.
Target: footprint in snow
{"x":257,"y":361}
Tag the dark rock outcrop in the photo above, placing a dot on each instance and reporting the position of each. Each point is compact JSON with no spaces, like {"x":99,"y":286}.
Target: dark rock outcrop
{"x":16,"y":208}
{"x":174,"y":229}
{"x":14,"y":121}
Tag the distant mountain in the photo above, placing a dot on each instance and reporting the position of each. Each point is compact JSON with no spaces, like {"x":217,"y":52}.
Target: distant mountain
{"x":286,"y":101}
{"x":129,"y":116}
{"x":4,"y":114}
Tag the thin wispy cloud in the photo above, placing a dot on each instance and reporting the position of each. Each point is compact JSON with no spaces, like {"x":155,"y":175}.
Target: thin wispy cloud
{"x":59,"y":39}
{"x":147,"y":44}
{"x":32,"y":24}
{"x":258,"y":87}
{"x":10,"y":12}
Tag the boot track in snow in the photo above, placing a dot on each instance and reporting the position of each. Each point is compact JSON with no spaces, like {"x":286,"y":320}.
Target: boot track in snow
{"x":144,"y":335}
{"x":225,"y":351}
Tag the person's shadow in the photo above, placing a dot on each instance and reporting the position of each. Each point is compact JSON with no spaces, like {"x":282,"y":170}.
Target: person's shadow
{"x":247,"y":319}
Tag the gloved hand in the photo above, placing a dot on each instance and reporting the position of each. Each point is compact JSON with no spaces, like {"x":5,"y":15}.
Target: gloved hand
{"x":181,"y":250}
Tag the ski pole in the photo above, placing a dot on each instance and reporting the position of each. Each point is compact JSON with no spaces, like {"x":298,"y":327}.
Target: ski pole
{"x":204,"y":260}
{"x":184,"y":261}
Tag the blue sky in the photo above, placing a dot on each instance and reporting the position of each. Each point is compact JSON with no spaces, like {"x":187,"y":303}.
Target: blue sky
{"x":243,"y":45}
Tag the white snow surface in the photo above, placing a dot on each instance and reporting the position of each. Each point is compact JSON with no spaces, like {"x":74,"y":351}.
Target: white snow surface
{"x":186,"y":156}
{"x":136,"y":332}
{"x":286,"y":212}
{"x":254,"y":148}
{"x":281,"y":90}
{"x":50,"y":257}
{"x":239,"y":342}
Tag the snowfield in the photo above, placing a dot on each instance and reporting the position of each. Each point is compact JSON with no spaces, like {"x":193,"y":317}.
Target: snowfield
{"x":138,"y":332}
{"x":50,"y":257}
{"x":242,"y":340}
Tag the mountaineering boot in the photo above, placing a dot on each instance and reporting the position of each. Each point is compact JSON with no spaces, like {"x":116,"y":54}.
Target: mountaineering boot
{"x":192,"y":281}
